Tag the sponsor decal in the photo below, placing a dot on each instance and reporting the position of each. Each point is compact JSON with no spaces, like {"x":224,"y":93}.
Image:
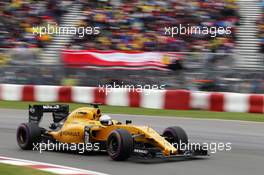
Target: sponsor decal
{"x":141,"y":151}
{"x":32,"y":110}
{"x":70,"y":133}
{"x":51,"y":106}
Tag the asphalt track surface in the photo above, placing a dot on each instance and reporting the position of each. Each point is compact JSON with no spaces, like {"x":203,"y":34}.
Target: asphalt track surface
{"x":246,"y":156}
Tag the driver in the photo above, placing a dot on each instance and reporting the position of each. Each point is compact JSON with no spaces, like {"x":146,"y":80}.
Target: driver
{"x":106,"y":120}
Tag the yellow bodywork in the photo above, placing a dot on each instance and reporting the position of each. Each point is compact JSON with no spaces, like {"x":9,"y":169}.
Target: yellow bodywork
{"x":72,"y":130}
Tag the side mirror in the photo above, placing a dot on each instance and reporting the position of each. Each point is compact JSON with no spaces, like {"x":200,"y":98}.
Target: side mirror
{"x":128,"y":122}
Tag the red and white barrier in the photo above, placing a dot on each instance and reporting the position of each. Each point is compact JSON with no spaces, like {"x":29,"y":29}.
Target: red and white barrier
{"x":158,"y":99}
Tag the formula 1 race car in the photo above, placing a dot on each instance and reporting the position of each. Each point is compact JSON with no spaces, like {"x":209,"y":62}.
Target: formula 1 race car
{"x":87,"y":125}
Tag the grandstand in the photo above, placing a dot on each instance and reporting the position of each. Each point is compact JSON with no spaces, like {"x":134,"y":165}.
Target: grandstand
{"x":134,"y":27}
{"x":260,"y":24}
{"x":248,"y":43}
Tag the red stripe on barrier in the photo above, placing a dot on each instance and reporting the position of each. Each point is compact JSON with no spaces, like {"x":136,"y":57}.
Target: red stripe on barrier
{"x":65,"y":94}
{"x":134,"y":99}
{"x":28,"y":92}
{"x":100,"y":95}
{"x":216,"y":102}
{"x":256,"y":103}
{"x":177,"y":99}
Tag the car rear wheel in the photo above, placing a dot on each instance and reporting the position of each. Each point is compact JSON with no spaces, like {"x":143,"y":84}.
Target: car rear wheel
{"x":27,"y":135}
{"x":176,"y":136}
{"x":119,"y":145}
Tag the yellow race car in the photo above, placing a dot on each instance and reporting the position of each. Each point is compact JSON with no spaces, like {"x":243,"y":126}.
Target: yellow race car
{"x":87,"y":125}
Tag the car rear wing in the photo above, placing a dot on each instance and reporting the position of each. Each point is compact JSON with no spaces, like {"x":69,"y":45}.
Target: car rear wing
{"x":59,"y":112}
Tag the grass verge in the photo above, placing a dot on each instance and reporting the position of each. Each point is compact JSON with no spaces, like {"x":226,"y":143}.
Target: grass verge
{"x":6,"y":169}
{"x":154,"y":112}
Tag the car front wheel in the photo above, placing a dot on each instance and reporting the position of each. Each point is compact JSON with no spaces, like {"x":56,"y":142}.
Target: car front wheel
{"x":119,"y":145}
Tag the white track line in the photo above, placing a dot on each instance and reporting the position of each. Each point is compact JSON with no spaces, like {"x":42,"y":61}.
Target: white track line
{"x":53,"y":168}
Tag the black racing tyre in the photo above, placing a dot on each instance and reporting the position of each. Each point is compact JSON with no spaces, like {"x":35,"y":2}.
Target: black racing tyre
{"x":119,"y":144}
{"x":27,"y":135}
{"x":175,"y":135}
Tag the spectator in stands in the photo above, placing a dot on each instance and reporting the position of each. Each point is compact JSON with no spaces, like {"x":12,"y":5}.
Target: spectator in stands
{"x":139,"y":24}
{"x":18,"y":17}
{"x":4,"y":59}
{"x":260,"y":23}
{"x":262,"y":4}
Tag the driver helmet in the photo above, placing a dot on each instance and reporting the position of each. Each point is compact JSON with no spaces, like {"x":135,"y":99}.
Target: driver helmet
{"x":105,"y":120}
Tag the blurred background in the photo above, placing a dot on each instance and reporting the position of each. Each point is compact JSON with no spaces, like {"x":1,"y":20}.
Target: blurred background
{"x":232,"y":63}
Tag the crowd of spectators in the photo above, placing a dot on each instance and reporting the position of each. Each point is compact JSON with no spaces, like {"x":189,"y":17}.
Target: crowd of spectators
{"x":139,"y":25}
{"x":260,"y":24}
{"x":19,"y":19}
